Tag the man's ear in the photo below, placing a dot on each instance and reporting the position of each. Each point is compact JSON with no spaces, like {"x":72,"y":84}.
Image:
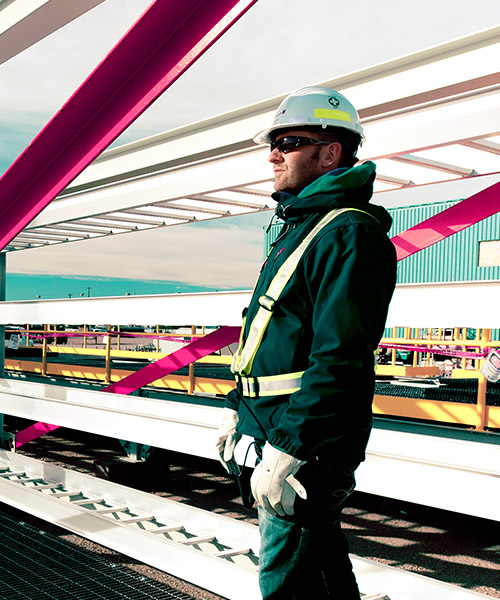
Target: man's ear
{"x":331,"y":155}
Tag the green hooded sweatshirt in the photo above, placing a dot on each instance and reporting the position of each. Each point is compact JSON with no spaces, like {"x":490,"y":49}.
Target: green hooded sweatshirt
{"x":327,"y":321}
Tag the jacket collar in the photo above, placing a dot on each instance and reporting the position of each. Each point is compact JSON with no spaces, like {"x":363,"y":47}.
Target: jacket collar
{"x":344,"y":187}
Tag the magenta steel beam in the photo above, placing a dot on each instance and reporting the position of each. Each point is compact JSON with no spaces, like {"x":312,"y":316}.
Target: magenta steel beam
{"x":218,"y":339}
{"x":452,"y":220}
{"x":162,"y":44}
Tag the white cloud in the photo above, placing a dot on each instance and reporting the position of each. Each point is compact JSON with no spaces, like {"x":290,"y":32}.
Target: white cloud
{"x":223,"y":254}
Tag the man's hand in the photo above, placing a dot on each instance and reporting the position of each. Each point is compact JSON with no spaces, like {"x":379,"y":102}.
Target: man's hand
{"x":227,"y":440}
{"x":272,"y":481}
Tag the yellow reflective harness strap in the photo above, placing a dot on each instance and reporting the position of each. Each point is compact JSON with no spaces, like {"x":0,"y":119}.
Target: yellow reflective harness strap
{"x":244,"y":357}
{"x":237,"y":354}
{"x":270,"y":385}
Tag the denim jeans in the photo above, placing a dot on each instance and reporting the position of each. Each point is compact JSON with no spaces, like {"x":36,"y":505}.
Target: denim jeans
{"x":306,"y":556}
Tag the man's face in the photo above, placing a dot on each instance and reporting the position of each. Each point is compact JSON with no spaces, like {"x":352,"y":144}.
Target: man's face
{"x":298,"y":168}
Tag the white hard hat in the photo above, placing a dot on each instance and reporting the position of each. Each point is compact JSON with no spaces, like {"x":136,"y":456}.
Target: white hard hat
{"x":313,"y":106}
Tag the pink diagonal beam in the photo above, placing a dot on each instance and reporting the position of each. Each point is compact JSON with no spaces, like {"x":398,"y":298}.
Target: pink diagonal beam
{"x":180,"y":358}
{"x":162,"y":44}
{"x":452,"y":220}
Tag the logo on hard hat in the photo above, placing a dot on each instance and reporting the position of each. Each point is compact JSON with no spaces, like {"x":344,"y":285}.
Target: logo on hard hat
{"x":333,"y":101}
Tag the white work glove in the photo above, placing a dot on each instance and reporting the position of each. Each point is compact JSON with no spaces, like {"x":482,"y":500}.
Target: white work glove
{"x":227,"y":440}
{"x":273,"y":483}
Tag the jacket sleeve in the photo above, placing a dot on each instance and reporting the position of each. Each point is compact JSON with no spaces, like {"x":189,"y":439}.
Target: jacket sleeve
{"x":232,"y":400}
{"x":349,"y":276}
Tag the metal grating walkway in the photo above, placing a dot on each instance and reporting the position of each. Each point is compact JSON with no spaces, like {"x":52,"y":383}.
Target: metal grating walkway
{"x":36,"y":565}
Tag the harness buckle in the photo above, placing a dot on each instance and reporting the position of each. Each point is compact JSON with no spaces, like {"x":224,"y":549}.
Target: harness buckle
{"x":249,"y":386}
{"x":267,"y":302}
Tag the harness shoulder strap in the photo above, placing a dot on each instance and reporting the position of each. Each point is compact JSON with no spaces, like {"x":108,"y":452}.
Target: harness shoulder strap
{"x":244,"y":356}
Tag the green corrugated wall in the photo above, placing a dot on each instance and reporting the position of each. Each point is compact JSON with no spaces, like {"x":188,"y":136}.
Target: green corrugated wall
{"x":453,"y":259}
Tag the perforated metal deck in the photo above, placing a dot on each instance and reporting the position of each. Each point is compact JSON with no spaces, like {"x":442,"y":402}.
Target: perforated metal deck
{"x":36,"y":565}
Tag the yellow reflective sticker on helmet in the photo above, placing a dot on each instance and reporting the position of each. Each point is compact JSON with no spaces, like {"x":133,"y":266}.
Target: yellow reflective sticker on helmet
{"x":331,"y":113}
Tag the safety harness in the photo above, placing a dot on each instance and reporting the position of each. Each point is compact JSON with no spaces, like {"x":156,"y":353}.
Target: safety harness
{"x":273,"y":385}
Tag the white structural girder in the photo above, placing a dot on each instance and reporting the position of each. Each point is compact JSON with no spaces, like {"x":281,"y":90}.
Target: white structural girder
{"x":436,"y":98}
{"x":25,"y":22}
{"x":178,"y":184}
{"x":463,"y":304}
{"x":191,"y":143}
{"x":218,"y":575}
{"x":210,"y":309}
{"x":446,"y":191}
{"x":432,"y":127}
{"x":178,"y":426}
{"x":451,"y":474}
{"x":230,"y":579}
{"x":413,"y":305}
{"x":446,"y":64}
{"x":397,"y":584}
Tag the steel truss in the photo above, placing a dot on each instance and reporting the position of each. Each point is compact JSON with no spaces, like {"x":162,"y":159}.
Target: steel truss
{"x":211,"y":551}
{"x":433,"y":470}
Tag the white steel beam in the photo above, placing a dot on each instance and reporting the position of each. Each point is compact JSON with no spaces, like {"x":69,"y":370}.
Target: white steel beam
{"x":220,"y":576}
{"x":413,"y":305}
{"x":187,"y":428}
{"x":433,"y":127}
{"x":235,"y":579}
{"x":437,"y":98}
{"x":211,"y":309}
{"x":457,"y":475}
{"x":462,"y":304}
{"x":484,"y":145}
{"x":387,"y":139}
{"x":395,"y":584}
{"x":446,"y":64}
{"x":445,"y":191}
{"x":124,"y":177}
{"x":175,"y":185}
{"x":434,"y":164}
{"x":25,"y":22}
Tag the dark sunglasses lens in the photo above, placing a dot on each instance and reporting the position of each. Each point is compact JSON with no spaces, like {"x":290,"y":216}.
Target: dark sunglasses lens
{"x":286,"y":144}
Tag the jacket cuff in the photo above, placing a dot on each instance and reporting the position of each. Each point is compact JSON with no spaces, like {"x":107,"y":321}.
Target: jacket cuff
{"x":286,"y":445}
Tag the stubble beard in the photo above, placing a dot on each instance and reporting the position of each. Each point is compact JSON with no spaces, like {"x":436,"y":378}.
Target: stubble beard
{"x":293,"y":181}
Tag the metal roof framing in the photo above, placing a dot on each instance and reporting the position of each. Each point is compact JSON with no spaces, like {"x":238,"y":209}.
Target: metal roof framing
{"x":131,"y":522}
{"x":464,"y":473}
{"x":418,"y":111}
{"x":161,"y":45}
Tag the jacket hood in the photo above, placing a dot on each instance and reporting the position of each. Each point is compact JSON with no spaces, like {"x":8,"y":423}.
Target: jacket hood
{"x":339,"y":188}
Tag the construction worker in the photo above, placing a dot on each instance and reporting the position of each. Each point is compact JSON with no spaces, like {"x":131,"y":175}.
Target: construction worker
{"x":305,"y":365}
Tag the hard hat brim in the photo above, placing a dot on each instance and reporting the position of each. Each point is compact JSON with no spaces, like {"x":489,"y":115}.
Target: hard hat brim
{"x":265,"y":136}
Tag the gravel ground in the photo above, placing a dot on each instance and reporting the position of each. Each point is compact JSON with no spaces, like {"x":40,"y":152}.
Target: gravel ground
{"x":453,"y":548}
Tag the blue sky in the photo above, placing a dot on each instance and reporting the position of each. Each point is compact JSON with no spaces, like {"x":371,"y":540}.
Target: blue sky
{"x":287,"y":44}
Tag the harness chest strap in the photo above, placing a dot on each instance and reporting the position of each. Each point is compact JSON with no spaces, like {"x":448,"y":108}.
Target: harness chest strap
{"x":244,"y":357}
{"x":269,"y":385}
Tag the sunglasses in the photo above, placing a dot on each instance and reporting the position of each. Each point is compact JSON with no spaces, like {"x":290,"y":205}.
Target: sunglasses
{"x":292,"y":142}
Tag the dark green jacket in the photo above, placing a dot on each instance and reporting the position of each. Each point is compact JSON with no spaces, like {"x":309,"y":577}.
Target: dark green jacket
{"x":327,"y":322}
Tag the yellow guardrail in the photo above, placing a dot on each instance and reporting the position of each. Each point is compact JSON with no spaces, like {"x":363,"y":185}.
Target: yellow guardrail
{"x":464,"y":348}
